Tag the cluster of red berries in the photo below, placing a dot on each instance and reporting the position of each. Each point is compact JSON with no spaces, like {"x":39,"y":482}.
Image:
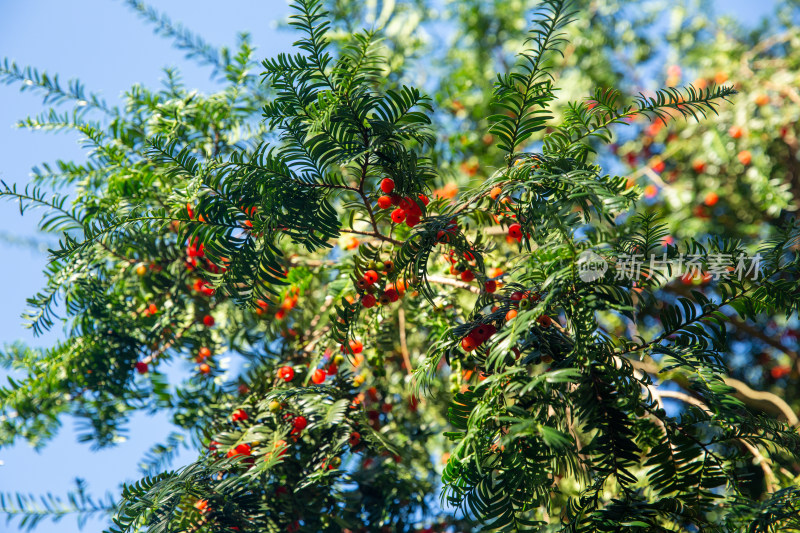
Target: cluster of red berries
{"x":150,"y":310}
{"x":464,"y":268}
{"x":444,"y":235}
{"x":477,"y":336}
{"x":319,"y":375}
{"x":408,"y":209}
{"x":289,"y":303}
{"x":526,"y":300}
{"x":196,"y":258}
{"x":369,"y":285}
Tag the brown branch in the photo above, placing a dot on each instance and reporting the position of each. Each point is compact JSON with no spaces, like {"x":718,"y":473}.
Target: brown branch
{"x":760,"y":459}
{"x":765,"y":401}
{"x":401,"y":318}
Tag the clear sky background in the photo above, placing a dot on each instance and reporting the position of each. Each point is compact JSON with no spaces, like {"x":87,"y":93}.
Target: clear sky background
{"x":109,"y":48}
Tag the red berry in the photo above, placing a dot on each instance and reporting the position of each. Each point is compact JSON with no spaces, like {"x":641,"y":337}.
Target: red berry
{"x":318,"y":376}
{"x":141,"y":367}
{"x":368,"y":301}
{"x":239,"y":414}
{"x":240,"y":449}
{"x":356,"y":346}
{"x":482,"y":332}
{"x":391,"y":294}
{"x":332,"y":369}
{"x":398,"y":215}
{"x":516,"y":296}
{"x":490,"y":286}
{"x":208,"y":320}
{"x":299,"y":423}
{"x":544,"y":321}
{"x":384,"y":202}
{"x":779,"y":372}
{"x":467,"y":276}
{"x":286,"y":373}
{"x":371,"y":277}
{"x":411,"y":207}
{"x":424,"y":199}
{"x":355,"y":438}
{"x":469,"y":343}
{"x":204,"y":353}
{"x":387,"y":185}
{"x":412,"y":220}
{"x":515,"y":231}
{"x":152,"y":308}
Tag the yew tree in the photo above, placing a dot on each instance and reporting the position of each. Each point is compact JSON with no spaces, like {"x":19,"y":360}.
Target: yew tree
{"x":411,"y":353}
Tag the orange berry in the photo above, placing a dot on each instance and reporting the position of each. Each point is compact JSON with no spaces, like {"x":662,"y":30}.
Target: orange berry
{"x":318,"y":376}
{"x":495,"y":192}
{"x":659,"y":166}
{"x":762,"y":100}
{"x":511,"y":315}
{"x":745,"y":157}
{"x":141,"y":270}
{"x":356,"y":346}
{"x":711,"y":199}
{"x":205,"y":369}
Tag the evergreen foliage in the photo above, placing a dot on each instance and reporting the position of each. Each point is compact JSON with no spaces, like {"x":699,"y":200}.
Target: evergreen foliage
{"x":250,"y":221}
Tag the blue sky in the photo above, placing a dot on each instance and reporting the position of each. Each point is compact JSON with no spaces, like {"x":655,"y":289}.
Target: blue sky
{"x":109,"y":48}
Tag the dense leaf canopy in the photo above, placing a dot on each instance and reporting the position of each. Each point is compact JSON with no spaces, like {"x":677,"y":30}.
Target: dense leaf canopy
{"x":402,"y":276}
